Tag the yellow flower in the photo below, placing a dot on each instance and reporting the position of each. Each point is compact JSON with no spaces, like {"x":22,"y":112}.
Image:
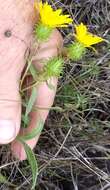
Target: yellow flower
{"x":52,"y":18}
{"x":86,"y":38}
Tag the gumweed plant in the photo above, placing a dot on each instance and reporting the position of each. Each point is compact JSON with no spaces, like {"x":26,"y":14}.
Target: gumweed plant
{"x":83,"y":40}
{"x":53,"y":67}
{"x":49,"y":20}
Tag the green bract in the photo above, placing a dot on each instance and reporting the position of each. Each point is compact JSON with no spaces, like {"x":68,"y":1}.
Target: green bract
{"x":53,"y":67}
{"x":42,"y":33}
{"x":76,"y":51}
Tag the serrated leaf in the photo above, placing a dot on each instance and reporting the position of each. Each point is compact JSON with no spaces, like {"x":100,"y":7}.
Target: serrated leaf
{"x":31,"y":101}
{"x":32,"y":162}
{"x":36,"y":131}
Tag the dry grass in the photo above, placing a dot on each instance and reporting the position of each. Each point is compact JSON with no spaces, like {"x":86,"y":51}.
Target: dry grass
{"x":74,"y":148}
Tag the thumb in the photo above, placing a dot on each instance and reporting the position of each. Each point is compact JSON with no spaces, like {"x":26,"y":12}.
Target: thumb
{"x":10,"y":110}
{"x":12,"y":63}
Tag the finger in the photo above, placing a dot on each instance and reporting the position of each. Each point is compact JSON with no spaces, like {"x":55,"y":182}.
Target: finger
{"x":45,"y":97}
{"x":10,"y":113}
{"x":14,"y":37}
{"x":48,"y":49}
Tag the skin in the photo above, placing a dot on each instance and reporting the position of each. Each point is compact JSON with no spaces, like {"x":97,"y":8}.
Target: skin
{"x":19,"y":17}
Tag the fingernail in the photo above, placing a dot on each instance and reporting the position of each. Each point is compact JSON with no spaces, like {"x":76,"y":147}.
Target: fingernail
{"x":7,"y":131}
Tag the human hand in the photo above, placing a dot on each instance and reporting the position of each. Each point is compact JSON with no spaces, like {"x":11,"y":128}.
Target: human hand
{"x":16,"y":32}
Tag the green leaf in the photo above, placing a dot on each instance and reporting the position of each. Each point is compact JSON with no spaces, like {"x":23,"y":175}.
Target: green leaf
{"x":3,"y":179}
{"x":36,"y":131}
{"x":33,"y":71}
{"x":25,"y":120}
{"x":32,"y":162}
{"x":30,"y":155}
{"x":31,"y":101}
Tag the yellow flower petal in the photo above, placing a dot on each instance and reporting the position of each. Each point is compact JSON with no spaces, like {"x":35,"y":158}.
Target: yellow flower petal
{"x":92,"y":39}
{"x":52,"y":18}
{"x":85,"y":37}
{"x":81,"y":29}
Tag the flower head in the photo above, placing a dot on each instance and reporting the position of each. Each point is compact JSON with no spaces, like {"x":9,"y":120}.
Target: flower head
{"x":76,"y":51}
{"x":86,"y":38}
{"x":52,"y":18}
{"x":54,"y":67}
